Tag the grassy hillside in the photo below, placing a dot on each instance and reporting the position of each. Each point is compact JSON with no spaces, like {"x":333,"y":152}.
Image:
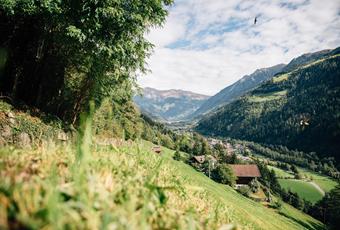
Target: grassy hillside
{"x":298,"y":109}
{"x":126,"y":187}
{"x":123,"y":185}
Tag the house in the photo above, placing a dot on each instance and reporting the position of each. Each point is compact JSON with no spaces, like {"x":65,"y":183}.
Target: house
{"x":229,"y":148}
{"x":245,"y":173}
{"x":198,"y":159}
{"x":157,"y":149}
{"x":244,"y":158}
{"x":203,"y":158}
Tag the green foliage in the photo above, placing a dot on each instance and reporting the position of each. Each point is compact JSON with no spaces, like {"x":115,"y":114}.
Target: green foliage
{"x":37,"y":125}
{"x":224,"y":174}
{"x":306,"y":160}
{"x":99,"y":183}
{"x":177,"y":156}
{"x":93,"y":49}
{"x":298,"y":176}
{"x":254,"y":185}
{"x":244,"y":190}
{"x":328,"y":209}
{"x":268,"y":178}
{"x":277,"y":204}
{"x":294,"y":169}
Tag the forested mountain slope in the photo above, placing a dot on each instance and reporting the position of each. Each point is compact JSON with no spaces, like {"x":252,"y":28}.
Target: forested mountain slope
{"x":253,"y":80}
{"x":169,"y":105}
{"x":299,"y":109}
{"x":238,"y":89}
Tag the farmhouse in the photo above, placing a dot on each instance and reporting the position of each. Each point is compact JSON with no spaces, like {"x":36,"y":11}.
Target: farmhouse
{"x":198,"y":159}
{"x":203,"y":158}
{"x":245,"y":173}
{"x":157,"y":149}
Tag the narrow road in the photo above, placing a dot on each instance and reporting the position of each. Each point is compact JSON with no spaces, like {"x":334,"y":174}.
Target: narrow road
{"x":317,"y":187}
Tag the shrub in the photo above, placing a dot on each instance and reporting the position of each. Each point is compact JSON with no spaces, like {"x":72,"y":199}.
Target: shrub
{"x":298,"y":176}
{"x":225,"y":175}
{"x":177,"y":156}
{"x":244,"y":190}
{"x":277,"y":204}
{"x":254,"y":186}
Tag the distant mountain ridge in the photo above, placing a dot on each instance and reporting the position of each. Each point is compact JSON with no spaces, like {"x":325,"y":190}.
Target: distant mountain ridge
{"x":250,"y":82}
{"x":238,"y":89}
{"x":306,"y":58}
{"x":169,"y":105}
{"x":178,"y":105}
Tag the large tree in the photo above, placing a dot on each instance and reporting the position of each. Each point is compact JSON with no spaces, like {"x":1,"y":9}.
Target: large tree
{"x":59,"y":54}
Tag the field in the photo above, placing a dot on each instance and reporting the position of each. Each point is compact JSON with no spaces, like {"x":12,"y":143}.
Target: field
{"x":124,"y":187}
{"x":324,"y":182}
{"x":281,"y":173}
{"x":304,"y":189}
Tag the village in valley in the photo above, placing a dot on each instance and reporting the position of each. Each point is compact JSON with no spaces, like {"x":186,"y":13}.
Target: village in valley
{"x":241,"y":163}
{"x":254,"y":174}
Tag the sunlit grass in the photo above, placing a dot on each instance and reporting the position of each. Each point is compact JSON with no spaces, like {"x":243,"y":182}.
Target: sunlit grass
{"x":280,"y":78}
{"x":268,"y":96}
{"x":281,"y":173}
{"x":326,"y":183}
{"x":126,"y":189}
{"x":302,"y":188}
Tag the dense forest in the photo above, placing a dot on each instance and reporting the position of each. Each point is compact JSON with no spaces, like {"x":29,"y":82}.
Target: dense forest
{"x":299,"y":109}
{"x":59,"y":55}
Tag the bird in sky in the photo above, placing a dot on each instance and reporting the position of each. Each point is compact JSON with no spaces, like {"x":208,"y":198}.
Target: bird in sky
{"x":255,"y":20}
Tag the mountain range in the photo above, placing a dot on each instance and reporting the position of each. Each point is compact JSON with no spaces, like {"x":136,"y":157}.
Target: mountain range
{"x":298,"y":108}
{"x":178,"y":105}
{"x":169,"y":105}
{"x":237,"y":89}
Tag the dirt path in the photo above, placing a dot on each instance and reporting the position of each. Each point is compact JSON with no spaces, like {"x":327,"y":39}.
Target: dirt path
{"x":317,"y":187}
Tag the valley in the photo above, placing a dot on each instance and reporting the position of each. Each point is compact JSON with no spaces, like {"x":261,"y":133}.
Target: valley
{"x":163,"y":114}
{"x":287,"y":134}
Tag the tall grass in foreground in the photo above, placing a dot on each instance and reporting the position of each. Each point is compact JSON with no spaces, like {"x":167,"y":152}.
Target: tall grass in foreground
{"x":87,"y":186}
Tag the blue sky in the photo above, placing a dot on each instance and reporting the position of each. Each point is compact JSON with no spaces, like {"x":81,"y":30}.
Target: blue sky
{"x":206,"y":45}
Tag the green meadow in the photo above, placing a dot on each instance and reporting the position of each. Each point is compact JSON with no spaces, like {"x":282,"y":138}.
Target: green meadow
{"x":304,"y":189}
{"x":281,"y":173}
{"x":324,"y":182}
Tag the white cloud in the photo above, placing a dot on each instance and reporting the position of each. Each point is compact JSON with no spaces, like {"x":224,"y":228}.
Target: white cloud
{"x":222,"y":44}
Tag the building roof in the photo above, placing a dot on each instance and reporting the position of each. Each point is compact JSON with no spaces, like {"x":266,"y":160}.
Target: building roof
{"x":199,"y":159}
{"x":156,"y":149}
{"x":246,"y":170}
